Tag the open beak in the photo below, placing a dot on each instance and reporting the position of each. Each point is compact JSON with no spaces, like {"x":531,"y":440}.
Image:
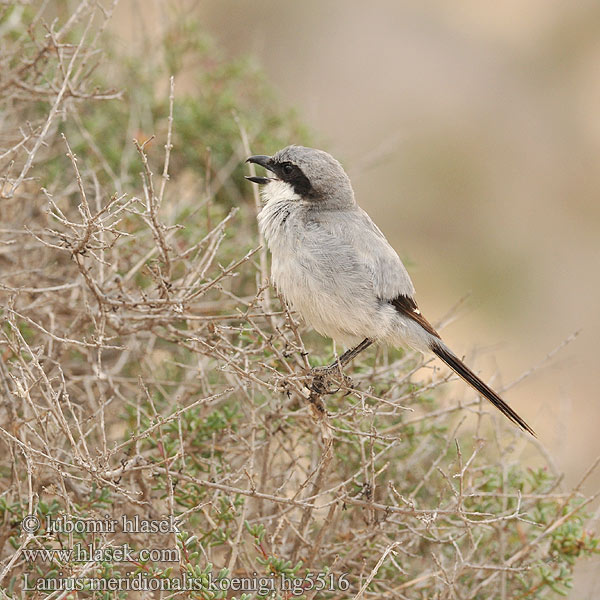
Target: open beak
{"x":263,"y":161}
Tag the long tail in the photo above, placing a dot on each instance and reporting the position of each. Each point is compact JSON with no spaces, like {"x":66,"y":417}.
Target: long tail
{"x":465,"y":373}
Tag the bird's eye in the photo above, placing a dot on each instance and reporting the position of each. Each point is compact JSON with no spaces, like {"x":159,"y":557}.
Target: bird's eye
{"x":287,"y":169}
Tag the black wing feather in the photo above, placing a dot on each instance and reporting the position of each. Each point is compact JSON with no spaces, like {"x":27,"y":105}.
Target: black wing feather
{"x":408,"y":307}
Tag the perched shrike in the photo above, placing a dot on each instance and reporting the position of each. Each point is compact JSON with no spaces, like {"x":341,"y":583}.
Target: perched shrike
{"x":335,"y":267}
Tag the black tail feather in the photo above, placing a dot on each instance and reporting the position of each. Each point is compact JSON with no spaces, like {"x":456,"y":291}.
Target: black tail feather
{"x":465,"y":373}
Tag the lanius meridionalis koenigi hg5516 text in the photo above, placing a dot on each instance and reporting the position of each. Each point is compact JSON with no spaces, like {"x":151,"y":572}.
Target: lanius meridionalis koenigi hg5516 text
{"x":335,"y":267}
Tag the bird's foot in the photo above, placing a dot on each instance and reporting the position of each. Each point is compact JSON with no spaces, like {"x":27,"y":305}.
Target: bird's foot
{"x":322,"y":377}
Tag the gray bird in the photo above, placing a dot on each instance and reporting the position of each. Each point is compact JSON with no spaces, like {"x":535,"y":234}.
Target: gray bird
{"x":335,"y":267}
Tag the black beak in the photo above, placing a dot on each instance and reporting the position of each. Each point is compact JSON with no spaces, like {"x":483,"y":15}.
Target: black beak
{"x":259,"y":180}
{"x":263,"y":161}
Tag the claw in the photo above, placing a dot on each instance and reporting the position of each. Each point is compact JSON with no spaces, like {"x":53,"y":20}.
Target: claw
{"x":322,"y":376}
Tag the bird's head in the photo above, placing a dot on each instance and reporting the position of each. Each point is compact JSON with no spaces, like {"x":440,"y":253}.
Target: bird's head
{"x":312,"y":175}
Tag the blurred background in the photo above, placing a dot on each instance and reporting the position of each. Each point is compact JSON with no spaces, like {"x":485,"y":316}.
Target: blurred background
{"x":472,"y":135}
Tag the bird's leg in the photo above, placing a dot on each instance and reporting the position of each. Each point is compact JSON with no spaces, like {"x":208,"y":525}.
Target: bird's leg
{"x":321,"y":375}
{"x":351,"y":354}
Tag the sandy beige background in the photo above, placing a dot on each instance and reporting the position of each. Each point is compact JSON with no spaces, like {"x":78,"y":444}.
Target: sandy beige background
{"x":472,"y":133}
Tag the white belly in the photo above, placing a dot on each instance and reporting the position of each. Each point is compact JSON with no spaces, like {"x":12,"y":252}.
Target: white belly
{"x":327,"y":285}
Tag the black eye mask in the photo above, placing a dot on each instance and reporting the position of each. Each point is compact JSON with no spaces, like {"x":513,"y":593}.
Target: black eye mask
{"x":293,"y":175}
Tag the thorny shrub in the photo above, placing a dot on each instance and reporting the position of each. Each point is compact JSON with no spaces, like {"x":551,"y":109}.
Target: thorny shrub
{"x":148,"y":371}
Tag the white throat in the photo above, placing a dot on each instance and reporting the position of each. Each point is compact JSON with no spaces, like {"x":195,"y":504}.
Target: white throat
{"x":280,"y":201}
{"x":279,"y":191}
